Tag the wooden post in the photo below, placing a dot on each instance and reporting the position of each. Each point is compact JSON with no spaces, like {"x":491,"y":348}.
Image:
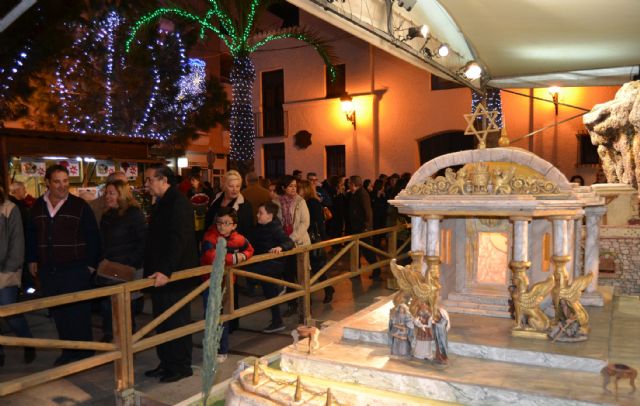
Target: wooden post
{"x":302,"y":264}
{"x":229,"y":305}
{"x":298,"y":395}
{"x":355,"y":256}
{"x":121,"y":303}
{"x":256,"y":372}
{"x":329,"y":401}
{"x":392,"y":247}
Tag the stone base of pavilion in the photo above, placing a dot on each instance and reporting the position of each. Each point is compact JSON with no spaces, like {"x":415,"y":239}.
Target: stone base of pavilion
{"x":487,"y":365}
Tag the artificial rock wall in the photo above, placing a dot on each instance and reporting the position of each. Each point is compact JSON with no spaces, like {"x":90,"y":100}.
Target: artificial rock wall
{"x":614,"y":127}
{"x":619,"y":247}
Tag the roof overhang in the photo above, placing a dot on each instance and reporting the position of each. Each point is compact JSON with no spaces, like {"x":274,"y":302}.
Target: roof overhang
{"x":519,"y":43}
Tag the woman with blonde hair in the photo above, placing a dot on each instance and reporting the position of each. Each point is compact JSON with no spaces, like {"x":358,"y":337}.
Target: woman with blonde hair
{"x":230,"y":196}
{"x":123,"y":229}
{"x":316,"y":231}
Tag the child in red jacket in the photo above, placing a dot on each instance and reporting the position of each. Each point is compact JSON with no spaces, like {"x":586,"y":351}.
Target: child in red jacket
{"x":238,"y":250}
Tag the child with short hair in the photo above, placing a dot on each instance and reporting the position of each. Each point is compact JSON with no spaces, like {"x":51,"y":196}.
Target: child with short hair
{"x":239,"y":249}
{"x":268,"y":236}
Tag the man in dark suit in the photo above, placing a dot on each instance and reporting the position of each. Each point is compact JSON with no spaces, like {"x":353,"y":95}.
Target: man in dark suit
{"x":170,"y":247}
{"x":361,"y":217}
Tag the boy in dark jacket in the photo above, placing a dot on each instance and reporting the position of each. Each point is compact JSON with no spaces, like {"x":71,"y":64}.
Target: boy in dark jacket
{"x":268,"y":236}
{"x":238,"y":250}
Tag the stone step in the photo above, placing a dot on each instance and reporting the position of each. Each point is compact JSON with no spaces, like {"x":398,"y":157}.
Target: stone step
{"x":470,"y":381}
{"x":448,"y":303}
{"x":488,"y":352}
{"x":484,"y":298}
{"x":478,"y":311}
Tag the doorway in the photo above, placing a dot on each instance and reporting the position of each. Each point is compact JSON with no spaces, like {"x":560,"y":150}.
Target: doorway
{"x":273,"y":160}
{"x":443,"y":143}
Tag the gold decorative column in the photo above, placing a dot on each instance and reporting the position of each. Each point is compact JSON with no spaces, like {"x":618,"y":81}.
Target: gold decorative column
{"x":432,"y":275}
{"x":566,"y":296}
{"x":433,"y":280}
{"x":530,"y":320}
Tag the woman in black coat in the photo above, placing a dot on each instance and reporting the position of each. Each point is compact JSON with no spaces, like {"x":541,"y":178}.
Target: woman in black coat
{"x":317,"y":232}
{"x":123,"y":230}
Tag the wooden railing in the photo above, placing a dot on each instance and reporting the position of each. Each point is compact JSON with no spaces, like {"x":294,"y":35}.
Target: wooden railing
{"x":126,"y":343}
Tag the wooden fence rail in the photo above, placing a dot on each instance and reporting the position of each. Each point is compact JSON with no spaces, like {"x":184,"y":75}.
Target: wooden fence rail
{"x":126,"y":343}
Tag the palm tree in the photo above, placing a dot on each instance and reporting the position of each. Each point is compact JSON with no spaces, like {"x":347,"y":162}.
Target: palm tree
{"x":234,"y":21}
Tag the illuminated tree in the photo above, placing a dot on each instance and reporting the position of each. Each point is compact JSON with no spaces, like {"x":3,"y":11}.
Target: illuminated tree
{"x":234,"y":22}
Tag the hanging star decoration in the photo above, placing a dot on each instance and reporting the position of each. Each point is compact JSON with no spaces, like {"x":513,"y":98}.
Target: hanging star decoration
{"x":488,"y":117}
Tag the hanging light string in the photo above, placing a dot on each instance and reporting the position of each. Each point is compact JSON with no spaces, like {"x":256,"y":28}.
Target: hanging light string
{"x":494,"y":103}
{"x":168,"y":106}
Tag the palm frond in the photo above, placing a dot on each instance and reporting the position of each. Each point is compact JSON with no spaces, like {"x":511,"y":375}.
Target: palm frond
{"x":307,"y":35}
{"x":212,"y":327}
{"x":176,"y":11}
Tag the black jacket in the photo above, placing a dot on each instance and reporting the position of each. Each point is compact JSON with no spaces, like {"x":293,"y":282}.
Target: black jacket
{"x":123,"y":237}
{"x":244,"y":210}
{"x":316,"y":220}
{"x":171,"y":242}
{"x":263,"y":237}
{"x":360,"y":211}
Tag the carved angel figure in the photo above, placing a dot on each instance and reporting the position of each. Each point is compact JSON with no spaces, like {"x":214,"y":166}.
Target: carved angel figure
{"x":411,"y":282}
{"x":526,"y":303}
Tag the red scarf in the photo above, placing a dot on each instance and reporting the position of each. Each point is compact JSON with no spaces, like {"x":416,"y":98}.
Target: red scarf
{"x":287,"y":213}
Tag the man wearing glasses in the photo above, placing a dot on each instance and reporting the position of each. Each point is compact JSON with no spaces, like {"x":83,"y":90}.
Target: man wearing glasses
{"x":170,"y":247}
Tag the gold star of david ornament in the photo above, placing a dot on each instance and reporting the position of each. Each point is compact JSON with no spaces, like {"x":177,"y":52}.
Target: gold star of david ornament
{"x":488,"y":117}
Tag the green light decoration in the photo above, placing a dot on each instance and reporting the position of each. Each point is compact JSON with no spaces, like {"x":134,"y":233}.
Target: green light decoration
{"x":234,"y":23}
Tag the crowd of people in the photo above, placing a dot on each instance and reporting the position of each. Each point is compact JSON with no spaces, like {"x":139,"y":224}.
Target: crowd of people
{"x":70,"y":245}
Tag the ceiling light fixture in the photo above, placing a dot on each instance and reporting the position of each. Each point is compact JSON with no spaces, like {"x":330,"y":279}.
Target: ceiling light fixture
{"x":419,"y":31}
{"x":471,"y":70}
{"x":443,"y":50}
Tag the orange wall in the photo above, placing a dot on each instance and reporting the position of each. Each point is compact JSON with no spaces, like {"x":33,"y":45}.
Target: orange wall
{"x":407,"y":110}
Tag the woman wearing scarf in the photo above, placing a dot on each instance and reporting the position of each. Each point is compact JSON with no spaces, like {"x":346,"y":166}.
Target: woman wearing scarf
{"x":294,"y":216}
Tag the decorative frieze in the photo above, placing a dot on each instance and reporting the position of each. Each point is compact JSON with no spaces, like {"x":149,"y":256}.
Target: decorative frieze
{"x":480,"y":179}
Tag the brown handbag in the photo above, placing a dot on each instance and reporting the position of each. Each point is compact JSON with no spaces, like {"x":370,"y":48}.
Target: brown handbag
{"x":116,"y":271}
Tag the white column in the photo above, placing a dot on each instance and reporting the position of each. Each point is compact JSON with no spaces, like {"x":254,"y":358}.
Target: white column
{"x":520,"y":239}
{"x":560,"y":237}
{"x":419,"y":237}
{"x":418,"y":234}
{"x":592,"y":244}
{"x":433,"y":236}
{"x":577,"y":250}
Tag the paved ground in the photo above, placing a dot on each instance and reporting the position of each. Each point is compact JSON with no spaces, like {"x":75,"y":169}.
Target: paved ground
{"x":95,"y":387}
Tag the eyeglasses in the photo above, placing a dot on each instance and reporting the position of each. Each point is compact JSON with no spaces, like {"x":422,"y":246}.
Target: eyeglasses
{"x":151,"y":179}
{"x":313,"y":179}
{"x":225,"y":223}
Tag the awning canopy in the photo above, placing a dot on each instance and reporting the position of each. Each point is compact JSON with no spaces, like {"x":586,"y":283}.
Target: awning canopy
{"x":518,"y":43}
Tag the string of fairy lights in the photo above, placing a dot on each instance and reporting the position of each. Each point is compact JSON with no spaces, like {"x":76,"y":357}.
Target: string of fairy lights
{"x":169,"y":102}
{"x":238,"y":38}
{"x":241,"y":121}
{"x":8,"y":74}
{"x":494,"y":103}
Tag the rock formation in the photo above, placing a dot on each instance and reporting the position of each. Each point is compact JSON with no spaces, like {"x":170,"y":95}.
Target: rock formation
{"x":614,"y":127}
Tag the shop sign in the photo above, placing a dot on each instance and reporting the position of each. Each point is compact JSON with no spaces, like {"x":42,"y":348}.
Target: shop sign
{"x":33,"y":168}
{"x":104,"y":168}
{"x":130,"y":169}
